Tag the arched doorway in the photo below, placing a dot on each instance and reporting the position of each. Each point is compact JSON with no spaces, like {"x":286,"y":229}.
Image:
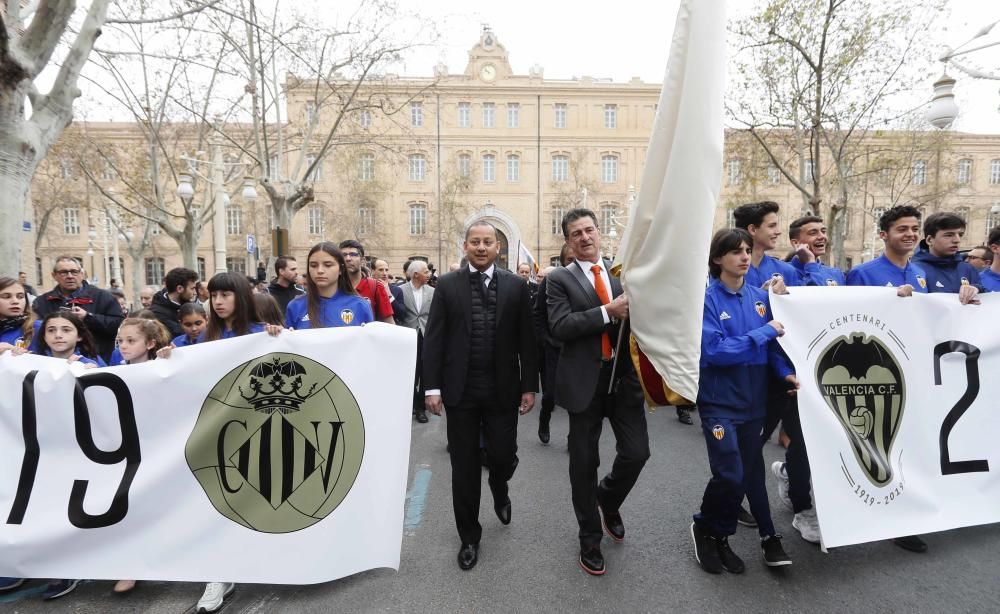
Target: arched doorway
{"x":503,"y":259}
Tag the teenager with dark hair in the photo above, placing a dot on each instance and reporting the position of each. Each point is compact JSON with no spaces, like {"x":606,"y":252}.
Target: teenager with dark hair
{"x":232,"y":312}
{"x":330,"y":298}
{"x":760,"y":221}
{"x":179,"y":288}
{"x":193,"y":321}
{"x":899,"y":228}
{"x":937,"y":254}
{"x":808,"y":236}
{"x":738,"y":350}
{"x":15,"y":316}
{"x":991,"y":276}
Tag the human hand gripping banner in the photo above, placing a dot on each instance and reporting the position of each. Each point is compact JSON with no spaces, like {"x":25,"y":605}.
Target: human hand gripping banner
{"x":898,"y":407}
{"x":254,"y":459}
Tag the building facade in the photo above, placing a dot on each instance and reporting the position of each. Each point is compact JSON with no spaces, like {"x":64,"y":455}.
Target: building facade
{"x":517,"y":150}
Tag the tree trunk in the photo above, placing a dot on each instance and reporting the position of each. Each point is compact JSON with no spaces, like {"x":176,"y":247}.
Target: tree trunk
{"x":18,"y":160}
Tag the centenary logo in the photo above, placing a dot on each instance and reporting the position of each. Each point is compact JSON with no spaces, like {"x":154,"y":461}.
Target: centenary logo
{"x":278,"y":443}
{"x":862,"y":383}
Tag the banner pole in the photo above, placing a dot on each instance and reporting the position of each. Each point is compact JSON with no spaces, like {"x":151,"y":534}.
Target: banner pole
{"x":614,"y":364}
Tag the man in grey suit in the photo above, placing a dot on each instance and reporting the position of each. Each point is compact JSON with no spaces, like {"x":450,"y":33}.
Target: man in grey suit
{"x":417,"y":296}
{"x":585,"y":306}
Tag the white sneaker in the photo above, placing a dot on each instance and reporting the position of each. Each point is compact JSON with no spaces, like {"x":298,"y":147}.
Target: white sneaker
{"x":215,"y":594}
{"x":806,"y":523}
{"x":778,"y":469}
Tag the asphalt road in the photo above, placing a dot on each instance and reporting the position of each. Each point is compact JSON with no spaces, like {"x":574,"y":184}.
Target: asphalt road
{"x":531,"y":565}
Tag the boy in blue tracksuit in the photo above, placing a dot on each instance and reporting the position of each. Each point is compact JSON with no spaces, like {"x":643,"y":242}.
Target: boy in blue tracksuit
{"x":990,"y":278}
{"x":808,"y":236}
{"x":760,"y":220}
{"x":738,"y":353}
{"x":938,"y":255}
{"x":899,"y":228}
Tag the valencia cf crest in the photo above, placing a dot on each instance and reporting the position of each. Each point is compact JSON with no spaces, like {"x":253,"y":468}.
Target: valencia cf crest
{"x":718,"y":432}
{"x":921,"y":281}
{"x":278,"y":443}
{"x":761,"y":308}
{"x":965,"y":281}
{"x":346,"y":316}
{"x":862,"y":383}
{"x":830,"y":282}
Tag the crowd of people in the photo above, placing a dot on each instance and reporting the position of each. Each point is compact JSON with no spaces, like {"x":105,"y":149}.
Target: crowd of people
{"x":490,"y":340}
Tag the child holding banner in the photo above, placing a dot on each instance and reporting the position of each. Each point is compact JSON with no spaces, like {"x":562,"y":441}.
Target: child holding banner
{"x":63,"y":335}
{"x":330,"y":298}
{"x":193,"y":318}
{"x":738,"y":348}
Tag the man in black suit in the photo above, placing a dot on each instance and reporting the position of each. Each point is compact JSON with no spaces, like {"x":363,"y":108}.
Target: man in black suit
{"x":480,"y":361}
{"x":585,"y":318}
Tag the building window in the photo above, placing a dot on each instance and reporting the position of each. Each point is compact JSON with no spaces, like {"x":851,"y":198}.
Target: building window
{"x":607,"y":215}
{"x":489,"y":168}
{"x":315,"y":219}
{"x":513,"y":167}
{"x":557,"y":216}
{"x":418,"y":219}
{"x":513,"y":115}
{"x":994,"y":172}
{"x":733,"y":171}
{"x":65,"y":168}
{"x":609,"y":169}
{"x":464,"y":115}
{"x":489,"y":114}
{"x":416,"y":114}
{"x":366,"y":167}
{"x":418,"y":167}
{"x":559,"y":121}
{"x":964,"y":172}
{"x":464,"y":165}
{"x":71,"y":220}
{"x":610,"y":116}
{"x":773,"y":175}
{"x":878,"y":212}
{"x":963,"y":212}
{"x":201,"y":269}
{"x":560,"y":167}
{"x":993,"y":218}
{"x":155,"y":229}
{"x":919,"y":172}
{"x":155,"y":269}
{"x":310,"y":111}
{"x":107,"y":170}
{"x":365,"y":118}
{"x":235,"y":264}
{"x":317,"y":173}
{"x":234,"y":219}
{"x":730,"y":218}
{"x":810,"y":171}
{"x":366,"y":219}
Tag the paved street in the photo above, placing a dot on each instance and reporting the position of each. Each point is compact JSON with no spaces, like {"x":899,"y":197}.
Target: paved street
{"x":530,"y":566}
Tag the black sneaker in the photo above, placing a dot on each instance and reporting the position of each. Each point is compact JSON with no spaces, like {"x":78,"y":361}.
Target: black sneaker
{"x":706,"y":551}
{"x":774,"y":554}
{"x":59,"y":588}
{"x":745,"y":518}
{"x":684,"y":415}
{"x":730,"y":562}
{"x":911,"y":543}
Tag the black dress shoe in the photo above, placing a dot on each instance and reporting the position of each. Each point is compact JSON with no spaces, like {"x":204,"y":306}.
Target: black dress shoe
{"x":543,"y":427}
{"x":468,"y":556}
{"x":503,"y":510}
{"x":612,"y":523}
{"x":592,"y":561}
{"x":684,"y":415}
{"x":421,"y":416}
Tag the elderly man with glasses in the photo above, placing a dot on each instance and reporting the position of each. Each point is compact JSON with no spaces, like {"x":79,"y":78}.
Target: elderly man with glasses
{"x":980,"y":257}
{"x":98,"y":309}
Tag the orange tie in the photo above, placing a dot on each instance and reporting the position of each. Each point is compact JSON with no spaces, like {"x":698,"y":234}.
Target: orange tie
{"x":602,"y":293}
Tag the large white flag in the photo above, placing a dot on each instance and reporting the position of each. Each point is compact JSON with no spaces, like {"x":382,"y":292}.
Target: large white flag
{"x":664,"y":251}
{"x":255,"y":459}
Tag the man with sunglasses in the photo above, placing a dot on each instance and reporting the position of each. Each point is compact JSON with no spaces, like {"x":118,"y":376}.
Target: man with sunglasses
{"x":98,"y":309}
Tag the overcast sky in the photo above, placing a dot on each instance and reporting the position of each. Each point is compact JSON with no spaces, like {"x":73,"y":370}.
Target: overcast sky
{"x":631,"y":37}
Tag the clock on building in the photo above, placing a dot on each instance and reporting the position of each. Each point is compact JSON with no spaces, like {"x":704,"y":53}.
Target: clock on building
{"x":488,"y":72}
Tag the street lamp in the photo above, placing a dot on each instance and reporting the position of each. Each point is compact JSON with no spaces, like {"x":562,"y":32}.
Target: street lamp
{"x":943,"y":110}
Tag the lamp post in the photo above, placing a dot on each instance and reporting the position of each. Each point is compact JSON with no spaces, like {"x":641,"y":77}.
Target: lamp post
{"x":943,"y":110}
{"x":91,"y":235}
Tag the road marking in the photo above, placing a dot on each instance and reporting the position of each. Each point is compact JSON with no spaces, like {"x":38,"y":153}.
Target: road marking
{"x":416,"y":498}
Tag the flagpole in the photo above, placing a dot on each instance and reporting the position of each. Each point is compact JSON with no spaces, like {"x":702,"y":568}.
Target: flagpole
{"x":614,"y":363}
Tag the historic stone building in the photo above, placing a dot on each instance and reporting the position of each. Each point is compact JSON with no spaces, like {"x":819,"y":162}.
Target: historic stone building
{"x":517,"y":150}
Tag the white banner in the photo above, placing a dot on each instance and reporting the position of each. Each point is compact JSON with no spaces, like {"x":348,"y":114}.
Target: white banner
{"x":898,"y":406}
{"x":115,"y":473}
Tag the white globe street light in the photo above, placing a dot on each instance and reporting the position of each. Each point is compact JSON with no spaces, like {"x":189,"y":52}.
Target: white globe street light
{"x":184,"y":188}
{"x":943,"y":109}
